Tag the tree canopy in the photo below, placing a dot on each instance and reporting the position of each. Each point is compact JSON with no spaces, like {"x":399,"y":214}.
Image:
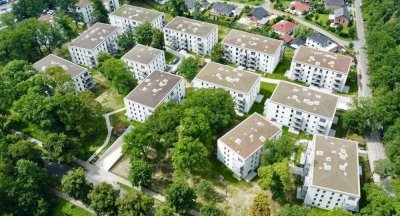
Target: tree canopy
{"x":189,"y":68}
{"x":135,"y":203}
{"x":180,"y":197}
{"x":276,"y":150}
{"x":61,"y":148}
{"x":75,"y":185}
{"x":260,"y":205}
{"x":103,"y":199}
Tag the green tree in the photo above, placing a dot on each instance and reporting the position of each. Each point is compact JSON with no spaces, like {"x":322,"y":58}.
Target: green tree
{"x":188,"y":155}
{"x":189,"y":68}
{"x":177,"y":8}
{"x":194,"y":123}
{"x":111,"y":67}
{"x":384,"y":168}
{"x":25,"y":150}
{"x":338,"y":212}
{"x":103,"y":199}
{"x":339,"y":28}
{"x":378,"y":201}
{"x":260,"y":205}
{"x":135,"y":203}
{"x":102,"y":57}
{"x":302,"y":32}
{"x":205,"y":190}
{"x":180,"y":197}
{"x":63,"y":21}
{"x":75,"y":185}
{"x":210,"y":210}
{"x":157,"y":40}
{"x":144,"y":33}
{"x":28,"y":8}
{"x":276,"y":150}
{"x":164,"y":210}
{"x":352,"y":32}
{"x":100,"y":13}
{"x":293,"y":210}
{"x":124,"y":82}
{"x":140,"y":173}
{"x":277,"y":178}
{"x":217,"y":53}
{"x":61,"y":148}
{"x":126,"y":41}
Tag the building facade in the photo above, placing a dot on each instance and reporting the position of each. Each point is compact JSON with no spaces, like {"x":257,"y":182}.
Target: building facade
{"x":98,"y":38}
{"x":331,"y":174}
{"x":85,"y":8}
{"x":191,"y":35}
{"x":321,"y":42}
{"x":301,"y":108}
{"x":252,"y":51}
{"x":128,"y":17}
{"x":143,"y":60}
{"x":240,"y":149}
{"x":157,"y":88}
{"x":81,"y":76}
{"x":320,"y":68}
{"x":243,"y":86}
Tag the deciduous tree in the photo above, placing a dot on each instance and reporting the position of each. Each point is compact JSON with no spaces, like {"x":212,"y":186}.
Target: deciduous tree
{"x":144,"y":33}
{"x":61,"y":148}
{"x":188,"y":155}
{"x":126,"y":41}
{"x":140,"y":173}
{"x":260,"y":205}
{"x":103,"y":199}
{"x":189,"y":68}
{"x":211,"y":210}
{"x":276,"y":150}
{"x":205,"y":190}
{"x":100,"y":13}
{"x":217,"y":53}
{"x":75,"y":185}
{"x":180,"y":197}
{"x":135,"y":203}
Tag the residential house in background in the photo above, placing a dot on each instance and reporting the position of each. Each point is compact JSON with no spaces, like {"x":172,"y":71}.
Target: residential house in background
{"x":298,"y":8}
{"x":331,"y":174}
{"x":333,"y":4}
{"x":242,"y":85}
{"x":341,"y":16}
{"x":297,"y":42}
{"x":85,"y":8}
{"x":240,"y":149}
{"x":258,"y":15}
{"x":252,"y":51}
{"x":143,"y":60}
{"x":222,"y":9}
{"x":191,"y":35}
{"x":301,"y":108}
{"x":47,"y":18}
{"x":128,"y":17}
{"x":157,"y":88}
{"x":80,"y":75}
{"x":191,"y":5}
{"x":205,"y":5}
{"x":284,"y":27}
{"x":100,"y":37}
{"x":321,"y":42}
{"x":320,"y":68}
{"x":161,"y":1}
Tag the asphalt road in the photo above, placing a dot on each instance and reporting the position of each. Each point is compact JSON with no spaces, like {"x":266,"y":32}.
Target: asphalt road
{"x":376,"y":151}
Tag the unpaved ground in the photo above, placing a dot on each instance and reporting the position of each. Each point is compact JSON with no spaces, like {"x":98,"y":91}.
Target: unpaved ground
{"x":106,"y":95}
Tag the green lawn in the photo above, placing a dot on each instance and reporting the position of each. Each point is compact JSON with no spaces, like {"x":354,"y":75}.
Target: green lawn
{"x":119,"y":118}
{"x":266,"y":89}
{"x":65,"y":208}
{"x":283,"y":66}
{"x":249,"y":2}
{"x":222,"y":32}
{"x":169,"y":57}
{"x":321,"y":21}
{"x":293,"y":136}
{"x":105,"y":94}
{"x":352,"y":81}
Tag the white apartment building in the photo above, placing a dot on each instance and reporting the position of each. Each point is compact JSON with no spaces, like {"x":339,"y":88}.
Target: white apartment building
{"x":99,"y":37}
{"x":191,"y":35}
{"x":157,"y":88}
{"x":242,"y":85}
{"x":253,"y":51}
{"x":240,"y":149}
{"x":81,"y":76}
{"x":332,"y":174}
{"x":301,"y":108}
{"x":128,"y":17}
{"x":143,"y":60}
{"x":320,"y":68}
{"x":321,"y":42}
{"x":85,"y":8}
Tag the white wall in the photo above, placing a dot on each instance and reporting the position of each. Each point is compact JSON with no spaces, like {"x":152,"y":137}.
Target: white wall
{"x":308,"y":122}
{"x":141,"y":71}
{"x":130,"y":24}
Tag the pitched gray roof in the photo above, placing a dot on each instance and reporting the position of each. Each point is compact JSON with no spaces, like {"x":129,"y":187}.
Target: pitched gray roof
{"x":142,"y":54}
{"x":258,"y":12}
{"x":298,"y":42}
{"x":335,"y":165}
{"x":223,"y":8}
{"x":53,"y":61}
{"x":305,"y":99}
{"x":190,"y":4}
{"x":334,"y":2}
{"x":343,"y":11}
{"x":320,"y":38}
{"x":94,"y":36}
{"x":250,"y":135}
{"x":154,"y":88}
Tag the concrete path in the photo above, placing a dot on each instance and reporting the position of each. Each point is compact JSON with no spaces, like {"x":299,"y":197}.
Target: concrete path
{"x":269,"y":80}
{"x":71,"y":200}
{"x":109,"y":131}
{"x":113,"y":153}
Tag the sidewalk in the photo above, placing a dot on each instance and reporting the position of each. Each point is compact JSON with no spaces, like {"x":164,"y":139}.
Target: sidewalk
{"x":73,"y":201}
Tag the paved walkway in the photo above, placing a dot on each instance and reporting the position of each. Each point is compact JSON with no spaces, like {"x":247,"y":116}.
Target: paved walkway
{"x":109,"y":131}
{"x":71,"y":200}
{"x":113,"y":154}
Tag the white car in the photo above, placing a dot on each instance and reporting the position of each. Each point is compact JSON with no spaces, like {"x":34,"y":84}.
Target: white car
{"x":51,"y":12}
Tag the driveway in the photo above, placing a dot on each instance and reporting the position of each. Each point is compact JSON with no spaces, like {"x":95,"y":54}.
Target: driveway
{"x":113,"y":154}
